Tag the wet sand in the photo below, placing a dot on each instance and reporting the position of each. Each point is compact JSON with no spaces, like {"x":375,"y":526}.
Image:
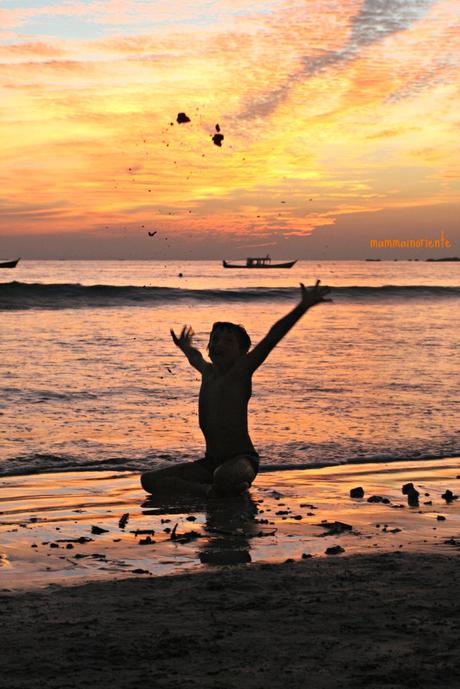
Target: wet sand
{"x":240,"y":593}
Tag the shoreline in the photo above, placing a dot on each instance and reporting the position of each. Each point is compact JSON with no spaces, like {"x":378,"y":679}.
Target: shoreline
{"x":69,"y":528}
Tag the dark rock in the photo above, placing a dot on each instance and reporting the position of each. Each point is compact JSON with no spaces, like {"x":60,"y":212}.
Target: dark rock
{"x":140,"y":571}
{"x":407,"y":488}
{"x":440,"y":518}
{"x":335,"y":550}
{"x":191,"y":518}
{"x":98,"y":530}
{"x":412,"y":498}
{"x":69,"y":546}
{"x":375,"y":498}
{"x":54,"y":545}
{"x":448,"y":496}
{"x":357,"y":492}
{"x":306,"y":556}
{"x":146,"y":541}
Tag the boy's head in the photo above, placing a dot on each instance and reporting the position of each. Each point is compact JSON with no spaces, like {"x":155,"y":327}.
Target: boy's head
{"x":228,"y":339}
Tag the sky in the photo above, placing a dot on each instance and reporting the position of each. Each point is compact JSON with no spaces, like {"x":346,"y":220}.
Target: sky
{"x":340,"y":124}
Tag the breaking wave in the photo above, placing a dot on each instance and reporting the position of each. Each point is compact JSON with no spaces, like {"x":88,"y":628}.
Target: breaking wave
{"x":23,"y":296}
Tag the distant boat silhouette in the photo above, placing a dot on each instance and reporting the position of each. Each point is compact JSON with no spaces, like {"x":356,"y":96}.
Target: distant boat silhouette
{"x":9,"y":264}
{"x":259,"y":262}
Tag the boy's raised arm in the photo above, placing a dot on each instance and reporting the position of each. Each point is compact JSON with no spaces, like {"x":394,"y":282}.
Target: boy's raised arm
{"x":184,"y":342}
{"x":309,"y":297}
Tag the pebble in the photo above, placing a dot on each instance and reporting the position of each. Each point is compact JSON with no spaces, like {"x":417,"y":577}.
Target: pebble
{"x":448,"y":496}
{"x":357,"y":492}
{"x":334,"y":528}
{"x":335,"y":550}
{"x":98,"y":530}
{"x":123,"y":520}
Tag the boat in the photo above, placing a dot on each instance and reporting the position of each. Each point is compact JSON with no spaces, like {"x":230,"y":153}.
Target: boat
{"x":258,"y":262}
{"x":9,"y":264}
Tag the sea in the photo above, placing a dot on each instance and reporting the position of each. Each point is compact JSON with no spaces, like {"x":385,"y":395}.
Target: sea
{"x":91,"y":380}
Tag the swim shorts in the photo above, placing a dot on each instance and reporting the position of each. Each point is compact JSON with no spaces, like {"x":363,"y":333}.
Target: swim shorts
{"x":211,"y":463}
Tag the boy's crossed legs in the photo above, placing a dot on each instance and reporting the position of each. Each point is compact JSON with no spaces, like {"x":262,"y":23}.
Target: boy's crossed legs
{"x":199,"y":478}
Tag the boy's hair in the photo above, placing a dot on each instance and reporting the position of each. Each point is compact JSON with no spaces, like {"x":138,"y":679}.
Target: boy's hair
{"x":243,"y":338}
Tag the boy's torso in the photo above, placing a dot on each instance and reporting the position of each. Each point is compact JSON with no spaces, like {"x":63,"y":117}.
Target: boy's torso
{"x":223,"y":408}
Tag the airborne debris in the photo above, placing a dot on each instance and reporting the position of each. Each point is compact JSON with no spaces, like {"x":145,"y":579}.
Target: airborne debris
{"x":182,"y":118}
{"x":217,"y":139}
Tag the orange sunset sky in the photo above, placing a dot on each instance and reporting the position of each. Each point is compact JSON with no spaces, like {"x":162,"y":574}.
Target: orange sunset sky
{"x":341,"y":125}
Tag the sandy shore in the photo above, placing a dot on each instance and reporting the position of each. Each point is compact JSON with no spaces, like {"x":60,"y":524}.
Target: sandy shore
{"x":58,"y":529}
{"x":235,"y":594}
{"x":381,"y":621}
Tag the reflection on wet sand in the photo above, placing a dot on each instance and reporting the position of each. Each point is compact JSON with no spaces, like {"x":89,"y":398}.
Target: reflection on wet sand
{"x":229,"y":524}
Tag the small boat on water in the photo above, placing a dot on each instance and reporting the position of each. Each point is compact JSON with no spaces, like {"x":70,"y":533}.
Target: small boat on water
{"x":259,"y":262}
{"x":9,"y":264}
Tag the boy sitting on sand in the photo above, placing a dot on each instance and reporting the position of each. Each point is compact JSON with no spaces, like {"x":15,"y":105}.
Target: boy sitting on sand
{"x":231,"y":462}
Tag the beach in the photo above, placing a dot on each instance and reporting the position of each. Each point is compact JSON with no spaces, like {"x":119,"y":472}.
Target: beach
{"x":299,"y":582}
{"x":239,"y":593}
{"x":375,"y":621}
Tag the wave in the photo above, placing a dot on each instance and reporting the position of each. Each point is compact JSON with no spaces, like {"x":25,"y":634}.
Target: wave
{"x":42,"y":463}
{"x":23,"y":296}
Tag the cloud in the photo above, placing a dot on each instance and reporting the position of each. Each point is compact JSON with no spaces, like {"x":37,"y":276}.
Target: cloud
{"x":375,"y":20}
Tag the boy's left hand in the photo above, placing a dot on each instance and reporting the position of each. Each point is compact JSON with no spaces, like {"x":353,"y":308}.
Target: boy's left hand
{"x":314,"y":295}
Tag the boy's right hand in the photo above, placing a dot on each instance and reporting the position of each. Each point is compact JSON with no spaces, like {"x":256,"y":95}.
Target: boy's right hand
{"x":185,"y":338}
